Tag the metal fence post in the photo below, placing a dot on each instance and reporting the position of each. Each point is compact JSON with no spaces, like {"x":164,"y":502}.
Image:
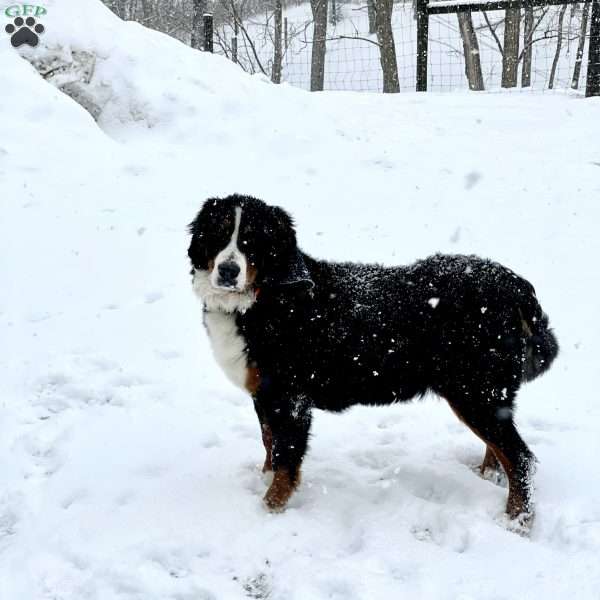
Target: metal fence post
{"x":234,"y":43}
{"x":208,"y":33}
{"x":234,"y":57}
{"x":422,"y":44}
{"x":592,"y":87}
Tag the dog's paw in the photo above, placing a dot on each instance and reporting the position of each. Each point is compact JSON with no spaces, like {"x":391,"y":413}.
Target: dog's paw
{"x":281,"y":489}
{"x":276,"y":499}
{"x":272,"y":505}
{"x":520,"y":524}
{"x":496,"y":476}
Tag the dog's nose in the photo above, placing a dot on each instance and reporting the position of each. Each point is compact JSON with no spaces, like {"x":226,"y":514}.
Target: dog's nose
{"x":228,"y":271}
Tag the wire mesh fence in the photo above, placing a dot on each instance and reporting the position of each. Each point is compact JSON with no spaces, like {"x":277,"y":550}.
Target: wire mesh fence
{"x":352,"y":60}
{"x":550,"y":53}
{"x":558,"y":45}
{"x":465,"y":49}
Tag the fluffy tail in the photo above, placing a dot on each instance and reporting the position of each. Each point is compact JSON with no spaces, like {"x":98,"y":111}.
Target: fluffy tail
{"x":541,"y":345}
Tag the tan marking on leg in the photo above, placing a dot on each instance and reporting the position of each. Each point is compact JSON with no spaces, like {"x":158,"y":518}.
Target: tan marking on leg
{"x":281,"y":489}
{"x":252,"y":379}
{"x":267,"y":438}
{"x":516,"y":504}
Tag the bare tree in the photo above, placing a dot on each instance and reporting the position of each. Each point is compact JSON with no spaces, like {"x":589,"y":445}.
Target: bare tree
{"x":120,"y":7}
{"x":527,"y":47}
{"x":198,"y":10}
{"x":147,"y":11}
{"x":387,"y":48}
{"x":559,"y":40}
{"x":277,"y":49}
{"x":471,"y":50}
{"x":257,"y":39}
{"x":510,"y":57}
{"x":319,"y":47}
{"x":335,"y":16}
{"x":492,"y":29}
{"x":581,"y":44}
{"x":371,"y":13}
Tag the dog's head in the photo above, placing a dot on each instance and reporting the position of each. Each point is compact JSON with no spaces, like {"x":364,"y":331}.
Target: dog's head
{"x":239,"y":245}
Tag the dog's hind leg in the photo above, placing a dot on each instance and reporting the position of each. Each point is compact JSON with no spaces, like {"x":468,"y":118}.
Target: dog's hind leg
{"x":493,"y":424}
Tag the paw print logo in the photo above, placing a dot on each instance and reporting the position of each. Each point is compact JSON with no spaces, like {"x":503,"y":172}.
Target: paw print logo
{"x":24,"y":31}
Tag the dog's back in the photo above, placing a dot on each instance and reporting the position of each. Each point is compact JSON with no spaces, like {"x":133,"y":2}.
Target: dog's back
{"x":374,"y":334}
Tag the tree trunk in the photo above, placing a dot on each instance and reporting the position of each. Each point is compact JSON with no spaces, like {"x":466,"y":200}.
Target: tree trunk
{"x":559,"y":40}
{"x":510,"y":59}
{"x":581,"y":45}
{"x":277,"y":50}
{"x":527,"y":47}
{"x":333,"y":16}
{"x":592,"y":85}
{"x":387,"y":48}
{"x":317,"y":63}
{"x":471,"y":50}
{"x":147,"y":12}
{"x":371,"y":13}
{"x":120,"y":7}
{"x":198,"y":9}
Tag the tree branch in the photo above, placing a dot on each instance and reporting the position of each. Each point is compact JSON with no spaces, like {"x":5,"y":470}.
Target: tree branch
{"x":493,"y":32}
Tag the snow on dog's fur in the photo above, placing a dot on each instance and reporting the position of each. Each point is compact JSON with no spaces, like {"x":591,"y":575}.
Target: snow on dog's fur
{"x":300,"y":333}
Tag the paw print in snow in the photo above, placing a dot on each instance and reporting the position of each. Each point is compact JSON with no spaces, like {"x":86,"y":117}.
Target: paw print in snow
{"x":24,"y":31}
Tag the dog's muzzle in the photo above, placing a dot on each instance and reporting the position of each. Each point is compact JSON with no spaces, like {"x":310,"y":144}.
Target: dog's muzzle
{"x":227,"y":274}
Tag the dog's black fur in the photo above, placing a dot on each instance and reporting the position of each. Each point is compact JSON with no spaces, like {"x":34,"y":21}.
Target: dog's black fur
{"x":330,"y":335}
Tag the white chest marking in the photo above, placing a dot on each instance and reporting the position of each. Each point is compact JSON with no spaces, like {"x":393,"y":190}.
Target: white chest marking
{"x":228,"y":346}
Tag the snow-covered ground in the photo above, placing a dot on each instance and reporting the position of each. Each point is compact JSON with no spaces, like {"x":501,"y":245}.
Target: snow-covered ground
{"x":129,"y":466}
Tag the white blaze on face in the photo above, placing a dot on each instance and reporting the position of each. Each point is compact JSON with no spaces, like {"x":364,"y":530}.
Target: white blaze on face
{"x":231,"y":253}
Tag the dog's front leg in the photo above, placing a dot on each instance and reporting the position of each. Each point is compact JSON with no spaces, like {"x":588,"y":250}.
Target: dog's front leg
{"x":289,"y":418}
{"x":267,"y":436}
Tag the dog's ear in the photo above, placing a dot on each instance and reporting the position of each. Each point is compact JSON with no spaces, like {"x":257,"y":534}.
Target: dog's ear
{"x":285,"y":263}
{"x":295,"y":272}
{"x":197,"y":247}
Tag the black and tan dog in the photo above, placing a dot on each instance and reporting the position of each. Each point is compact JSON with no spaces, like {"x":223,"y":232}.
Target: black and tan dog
{"x":300,"y":333}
